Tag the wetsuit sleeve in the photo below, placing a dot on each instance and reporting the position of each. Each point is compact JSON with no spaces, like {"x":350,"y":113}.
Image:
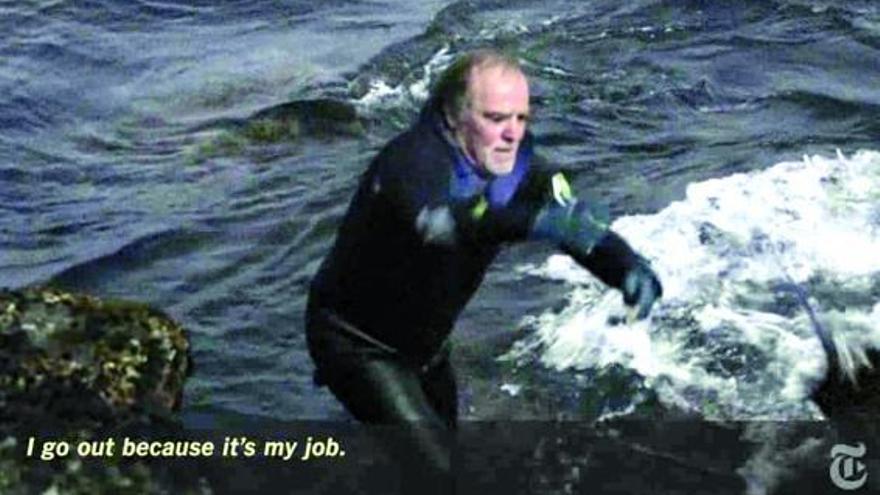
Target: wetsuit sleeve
{"x":580,"y":229}
{"x":609,"y":259}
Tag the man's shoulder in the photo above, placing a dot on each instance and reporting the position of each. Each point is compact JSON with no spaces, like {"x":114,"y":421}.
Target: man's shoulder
{"x":544,"y":179}
{"x":419,"y":150}
{"x":540,"y":169}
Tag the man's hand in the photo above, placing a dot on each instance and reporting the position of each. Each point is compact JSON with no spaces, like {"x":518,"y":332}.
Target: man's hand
{"x":641,"y":288}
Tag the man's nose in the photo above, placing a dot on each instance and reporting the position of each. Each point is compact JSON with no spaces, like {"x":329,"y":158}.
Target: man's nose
{"x":513,"y":131}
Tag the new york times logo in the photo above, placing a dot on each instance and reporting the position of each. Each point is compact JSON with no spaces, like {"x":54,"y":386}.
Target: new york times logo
{"x":847,"y":472}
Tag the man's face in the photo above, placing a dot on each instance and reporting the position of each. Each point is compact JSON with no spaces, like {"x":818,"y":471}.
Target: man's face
{"x":493,"y":122}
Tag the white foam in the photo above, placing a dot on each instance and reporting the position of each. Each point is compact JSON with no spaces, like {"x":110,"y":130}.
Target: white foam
{"x":791,"y":224}
{"x":511,"y":388}
{"x":409,"y":93}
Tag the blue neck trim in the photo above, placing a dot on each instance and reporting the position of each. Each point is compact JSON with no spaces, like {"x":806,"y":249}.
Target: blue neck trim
{"x":466,"y":182}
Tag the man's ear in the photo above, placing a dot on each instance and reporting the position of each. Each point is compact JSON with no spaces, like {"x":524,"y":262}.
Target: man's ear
{"x":450,"y":117}
{"x":447,"y":117}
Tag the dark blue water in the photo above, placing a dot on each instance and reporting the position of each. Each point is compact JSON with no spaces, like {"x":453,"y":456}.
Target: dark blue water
{"x":127,"y":167}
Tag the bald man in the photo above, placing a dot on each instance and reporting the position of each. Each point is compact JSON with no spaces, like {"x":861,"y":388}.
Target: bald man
{"x":430,"y":214}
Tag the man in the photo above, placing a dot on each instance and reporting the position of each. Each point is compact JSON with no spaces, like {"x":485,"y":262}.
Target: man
{"x":429,"y":215}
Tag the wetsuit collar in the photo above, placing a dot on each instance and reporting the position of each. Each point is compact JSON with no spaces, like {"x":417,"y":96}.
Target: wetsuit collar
{"x":466,"y":182}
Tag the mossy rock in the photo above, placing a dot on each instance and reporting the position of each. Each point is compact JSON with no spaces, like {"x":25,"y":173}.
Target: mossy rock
{"x":77,"y":367}
{"x":322,"y":117}
{"x":124,"y":354}
{"x":288,"y":123}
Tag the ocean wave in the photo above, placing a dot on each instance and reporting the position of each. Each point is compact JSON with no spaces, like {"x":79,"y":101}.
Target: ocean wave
{"x":110,"y":261}
{"x":729,"y":339}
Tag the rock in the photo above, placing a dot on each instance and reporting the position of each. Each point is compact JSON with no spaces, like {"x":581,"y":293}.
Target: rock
{"x":60,"y":351}
{"x":322,"y":117}
{"x":846,"y":394}
{"x":74,"y":367}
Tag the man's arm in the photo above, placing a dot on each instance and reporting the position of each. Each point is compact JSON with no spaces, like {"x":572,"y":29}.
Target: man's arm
{"x":615,"y":263}
{"x":580,"y":229}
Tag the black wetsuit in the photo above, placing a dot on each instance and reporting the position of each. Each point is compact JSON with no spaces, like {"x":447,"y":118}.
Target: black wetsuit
{"x":414,"y":246}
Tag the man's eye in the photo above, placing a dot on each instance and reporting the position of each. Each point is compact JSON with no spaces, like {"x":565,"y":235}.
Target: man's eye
{"x":495,"y":117}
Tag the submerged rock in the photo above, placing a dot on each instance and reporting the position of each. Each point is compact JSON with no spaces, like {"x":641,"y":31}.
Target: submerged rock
{"x":291,"y":122}
{"x":322,"y":117}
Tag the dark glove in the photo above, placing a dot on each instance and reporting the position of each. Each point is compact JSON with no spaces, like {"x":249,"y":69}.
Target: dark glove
{"x":641,"y":288}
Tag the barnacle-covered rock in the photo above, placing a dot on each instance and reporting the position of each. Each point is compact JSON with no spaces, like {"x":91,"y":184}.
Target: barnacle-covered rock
{"x":77,"y":367}
{"x":60,"y":350}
